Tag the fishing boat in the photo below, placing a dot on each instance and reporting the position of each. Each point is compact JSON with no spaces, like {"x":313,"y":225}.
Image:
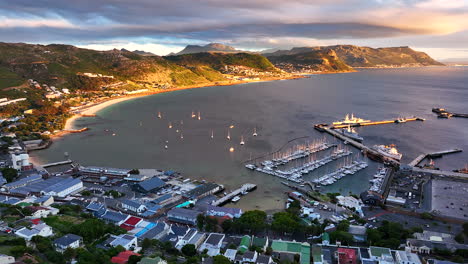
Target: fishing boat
{"x":159,"y":115}
{"x":255,"y":132}
{"x":242,"y":141}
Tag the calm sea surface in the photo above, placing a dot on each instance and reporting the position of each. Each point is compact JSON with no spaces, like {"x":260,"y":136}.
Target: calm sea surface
{"x":281,"y":111}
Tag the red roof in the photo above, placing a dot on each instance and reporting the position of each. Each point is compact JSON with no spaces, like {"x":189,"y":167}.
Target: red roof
{"x":127,"y":227}
{"x":347,"y":255}
{"x":132,"y":221}
{"x":123,"y":256}
{"x":36,"y":221}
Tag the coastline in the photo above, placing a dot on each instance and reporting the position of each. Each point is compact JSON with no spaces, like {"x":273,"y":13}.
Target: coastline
{"x":92,"y":110}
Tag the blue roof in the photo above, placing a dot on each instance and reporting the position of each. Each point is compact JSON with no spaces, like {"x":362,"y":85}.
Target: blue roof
{"x":146,"y":229}
{"x":151,"y":184}
{"x":11,"y":201}
{"x":169,"y":173}
{"x":93,"y":206}
{"x":131,"y":203}
{"x":114,"y":216}
{"x":67,"y":239}
{"x":162,"y":198}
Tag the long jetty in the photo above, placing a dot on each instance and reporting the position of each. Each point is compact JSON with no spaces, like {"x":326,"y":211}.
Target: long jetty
{"x":365,"y":149}
{"x":58,"y":163}
{"x":244,"y":188}
{"x":382,"y":122}
{"x":421,"y":157}
{"x":443,"y":113}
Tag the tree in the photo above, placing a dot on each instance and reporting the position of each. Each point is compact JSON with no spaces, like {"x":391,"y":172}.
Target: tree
{"x":465,"y":228}
{"x":189,"y":250}
{"x":343,"y":226}
{"x":220,"y":259}
{"x":269,"y":251}
{"x":251,"y":221}
{"x":9,"y":174}
{"x":134,"y":259}
{"x":69,"y":253}
{"x":427,"y":216}
{"x":343,"y":237}
{"x":146,"y":243}
{"x":285,"y":222}
{"x":294,"y":208}
{"x":200,"y":221}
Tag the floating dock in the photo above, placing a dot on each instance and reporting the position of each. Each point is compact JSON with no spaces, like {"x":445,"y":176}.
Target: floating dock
{"x":421,"y":157}
{"x":244,"y":188}
{"x":382,"y":122}
{"x":58,"y":163}
{"x":443,"y":113}
{"x":365,"y":149}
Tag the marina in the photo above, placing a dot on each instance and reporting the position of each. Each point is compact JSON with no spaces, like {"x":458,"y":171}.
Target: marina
{"x":349,"y":169}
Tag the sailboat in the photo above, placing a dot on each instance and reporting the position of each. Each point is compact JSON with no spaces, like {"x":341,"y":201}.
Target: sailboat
{"x":199,"y":117}
{"x":165,"y":147}
{"x":229,"y":135}
{"x":242,"y":141}
{"x":181,"y":135}
{"x":255,"y":132}
{"x":170,"y":125}
{"x":212,"y":134}
{"x":159,"y":115}
{"x":193,"y":114}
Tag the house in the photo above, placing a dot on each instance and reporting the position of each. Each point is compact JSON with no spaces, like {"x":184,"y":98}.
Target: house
{"x":127,"y":241}
{"x":44,"y":200}
{"x":149,"y":185}
{"x":260,"y":242}
{"x":114,"y":217}
{"x":380,"y":254}
{"x":247,"y":257}
{"x":95,"y":206}
{"x":192,"y":237}
{"x":406,"y":257}
{"x":130,"y":223}
{"x":346,"y":256}
{"x":359,"y":233}
{"x":68,"y":241}
{"x":133,"y":206}
{"x":183,"y":216}
{"x":174,"y":234}
{"x":2,"y":181}
{"x":317,"y":255}
{"x":213,"y":244}
{"x":153,"y":231}
{"x":41,"y":211}
{"x":371,"y":198}
{"x":303,"y":249}
{"x":223,"y":211}
{"x":36,"y":230}
{"x":5,"y":259}
{"x":123,"y":257}
{"x":244,"y":244}
{"x":264,"y":259}
{"x":203,"y":190}
{"x":230,"y":254}
{"x":148,"y":260}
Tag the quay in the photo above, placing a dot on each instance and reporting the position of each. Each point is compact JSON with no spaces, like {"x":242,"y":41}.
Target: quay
{"x":243,"y":189}
{"x":365,"y":150}
{"x":440,"y":173}
{"x":58,"y":163}
{"x":443,"y":113}
{"x":382,"y":122}
{"x":421,"y":157}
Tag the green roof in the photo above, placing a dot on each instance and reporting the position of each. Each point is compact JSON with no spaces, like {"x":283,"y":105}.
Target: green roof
{"x":379,"y":251}
{"x":325,"y":237}
{"x":293,"y":247}
{"x":244,"y":244}
{"x":24,"y":204}
{"x":259,"y":241}
{"x":317,"y":254}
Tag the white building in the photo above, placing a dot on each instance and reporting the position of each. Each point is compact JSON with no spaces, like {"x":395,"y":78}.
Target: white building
{"x":230,"y":254}
{"x":405,"y":257}
{"x":133,"y":206}
{"x":63,"y":188}
{"x":213,"y":244}
{"x":20,"y":160}
{"x":5,"y":259}
{"x":127,"y":241}
{"x":36,"y":230}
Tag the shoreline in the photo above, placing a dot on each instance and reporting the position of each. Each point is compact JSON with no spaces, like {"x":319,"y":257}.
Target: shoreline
{"x":70,"y":126}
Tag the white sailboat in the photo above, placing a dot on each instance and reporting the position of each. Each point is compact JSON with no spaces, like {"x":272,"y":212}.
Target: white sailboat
{"x":255,"y":132}
{"x":212,"y":134}
{"x":159,"y":115}
{"x":229,"y":135}
{"x":181,"y":135}
{"x":193,"y":114}
{"x":242,"y":141}
{"x":170,"y":125}
{"x":199,"y":117}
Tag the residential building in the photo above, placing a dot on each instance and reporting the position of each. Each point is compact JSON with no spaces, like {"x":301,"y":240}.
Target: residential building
{"x":359,"y":232}
{"x":113,"y":217}
{"x":380,"y":254}
{"x":46,"y":200}
{"x":131,"y":222}
{"x":244,"y":244}
{"x":36,"y":230}
{"x":20,"y":161}
{"x":127,"y":241}
{"x":153,"y":231}
{"x":317,"y":255}
{"x":183,"y":216}
{"x":133,"y":206}
{"x":230,"y":254}
{"x":303,"y":249}
{"x":264,"y":259}
{"x":122,"y":257}
{"x":260,"y":242}
{"x":148,"y":260}
{"x":192,"y":237}
{"x":68,"y":241}
{"x":247,"y":257}
{"x":213,"y":244}
{"x":406,"y":257}
{"x":346,"y":256}
{"x":41,"y":211}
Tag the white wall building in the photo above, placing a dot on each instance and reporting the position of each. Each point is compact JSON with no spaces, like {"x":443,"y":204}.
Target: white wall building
{"x":36,"y":230}
{"x":5,"y":259}
{"x":405,"y":257}
{"x":20,"y":160}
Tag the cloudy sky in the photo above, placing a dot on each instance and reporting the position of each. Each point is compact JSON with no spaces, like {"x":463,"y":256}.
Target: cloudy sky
{"x":439,"y":27}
